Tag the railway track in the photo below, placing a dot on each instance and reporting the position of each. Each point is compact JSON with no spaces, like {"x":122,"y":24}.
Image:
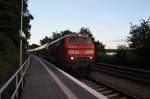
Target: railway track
{"x":129,"y":73}
{"x":109,"y":92}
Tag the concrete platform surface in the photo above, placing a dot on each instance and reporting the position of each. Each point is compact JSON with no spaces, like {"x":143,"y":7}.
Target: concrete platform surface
{"x":45,"y":81}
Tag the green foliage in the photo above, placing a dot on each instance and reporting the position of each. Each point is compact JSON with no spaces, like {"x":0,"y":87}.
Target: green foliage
{"x":66,"y":32}
{"x":99,"y":47}
{"x":8,"y":57}
{"x":137,"y":55}
{"x":140,"y":38}
{"x":121,"y":55}
{"x":86,"y":31}
{"x":56,"y":35}
{"x":33,"y":46}
{"x":45,"y":40}
{"x":10,"y":14}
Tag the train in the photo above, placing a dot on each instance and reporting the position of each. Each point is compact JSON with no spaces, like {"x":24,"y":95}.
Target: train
{"x":71,"y":52}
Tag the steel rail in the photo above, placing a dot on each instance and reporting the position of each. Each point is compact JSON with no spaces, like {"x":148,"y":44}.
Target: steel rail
{"x":131,"y":73}
{"x":15,"y":76}
{"x":124,"y":67}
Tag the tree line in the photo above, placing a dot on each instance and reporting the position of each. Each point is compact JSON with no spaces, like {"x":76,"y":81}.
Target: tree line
{"x":137,"y":54}
{"x":10,"y":17}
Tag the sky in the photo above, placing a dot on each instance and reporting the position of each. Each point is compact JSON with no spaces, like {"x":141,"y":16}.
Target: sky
{"x":108,"y":20}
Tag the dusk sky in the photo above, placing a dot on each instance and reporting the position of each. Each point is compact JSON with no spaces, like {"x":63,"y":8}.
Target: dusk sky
{"x":108,"y":20}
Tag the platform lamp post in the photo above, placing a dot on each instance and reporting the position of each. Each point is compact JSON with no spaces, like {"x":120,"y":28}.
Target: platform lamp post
{"x":22,"y":36}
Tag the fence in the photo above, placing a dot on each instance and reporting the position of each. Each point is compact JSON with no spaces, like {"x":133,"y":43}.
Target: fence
{"x":19,"y":76}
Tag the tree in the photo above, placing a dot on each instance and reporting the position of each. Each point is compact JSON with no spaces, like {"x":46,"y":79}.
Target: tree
{"x":140,"y":38}
{"x":86,"y":31}
{"x":33,"y":46}
{"x":46,"y":40}
{"x":99,"y":47}
{"x":66,"y":32}
{"x":56,"y":35}
{"x":10,"y":13}
{"x":121,"y":55}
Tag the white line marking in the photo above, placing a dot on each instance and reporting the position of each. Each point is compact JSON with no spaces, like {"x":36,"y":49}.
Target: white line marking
{"x":87,"y":88}
{"x":62,"y":86}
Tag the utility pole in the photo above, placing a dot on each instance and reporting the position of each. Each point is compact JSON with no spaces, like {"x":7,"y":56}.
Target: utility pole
{"x":21,"y":32}
{"x":22,"y":35}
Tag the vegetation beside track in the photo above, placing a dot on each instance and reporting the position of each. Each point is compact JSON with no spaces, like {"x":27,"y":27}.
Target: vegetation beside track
{"x":137,"y":54}
{"x":10,"y":12}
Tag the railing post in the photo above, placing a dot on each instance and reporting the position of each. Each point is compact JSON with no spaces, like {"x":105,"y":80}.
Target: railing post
{"x":16,"y":85}
{"x":25,"y":74}
{"x":26,"y":68}
{"x":29,"y":61}
{"x":0,"y":96}
{"x":22,"y":76}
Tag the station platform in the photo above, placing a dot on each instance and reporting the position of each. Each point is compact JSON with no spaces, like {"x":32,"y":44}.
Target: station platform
{"x":46,"y":81}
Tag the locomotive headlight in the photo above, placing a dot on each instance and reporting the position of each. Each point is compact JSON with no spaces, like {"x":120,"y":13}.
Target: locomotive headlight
{"x":72,"y":58}
{"x":90,"y":57}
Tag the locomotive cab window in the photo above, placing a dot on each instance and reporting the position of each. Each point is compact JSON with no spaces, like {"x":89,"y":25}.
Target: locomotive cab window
{"x":74,"y":41}
{"x":85,"y":41}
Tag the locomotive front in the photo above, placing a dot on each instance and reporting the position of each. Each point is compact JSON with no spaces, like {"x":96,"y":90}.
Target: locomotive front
{"x":79,"y":51}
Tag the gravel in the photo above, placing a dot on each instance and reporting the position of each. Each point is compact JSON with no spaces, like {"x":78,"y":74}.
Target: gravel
{"x":140,"y":90}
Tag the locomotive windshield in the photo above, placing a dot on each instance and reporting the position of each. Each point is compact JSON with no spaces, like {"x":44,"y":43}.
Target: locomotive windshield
{"x":74,"y":41}
{"x":79,"y":40}
{"x":85,"y":41}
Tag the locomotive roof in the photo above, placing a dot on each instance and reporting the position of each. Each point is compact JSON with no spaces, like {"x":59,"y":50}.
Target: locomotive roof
{"x":48,"y":44}
{"x":69,"y":35}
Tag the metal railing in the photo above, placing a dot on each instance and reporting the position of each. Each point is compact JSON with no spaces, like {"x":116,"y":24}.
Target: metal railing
{"x":19,"y":76}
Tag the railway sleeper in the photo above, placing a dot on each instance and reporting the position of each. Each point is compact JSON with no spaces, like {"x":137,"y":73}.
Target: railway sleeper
{"x":123,"y":97}
{"x":96,"y":87}
{"x":91,"y":84}
{"x":107,"y":92}
{"x":102,"y":89}
{"x":113,"y":96}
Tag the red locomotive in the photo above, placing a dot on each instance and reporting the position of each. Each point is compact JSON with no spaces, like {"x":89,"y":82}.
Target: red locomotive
{"x":71,"y":51}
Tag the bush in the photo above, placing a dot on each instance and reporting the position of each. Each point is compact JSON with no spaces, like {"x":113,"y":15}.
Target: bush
{"x":8,"y":58}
